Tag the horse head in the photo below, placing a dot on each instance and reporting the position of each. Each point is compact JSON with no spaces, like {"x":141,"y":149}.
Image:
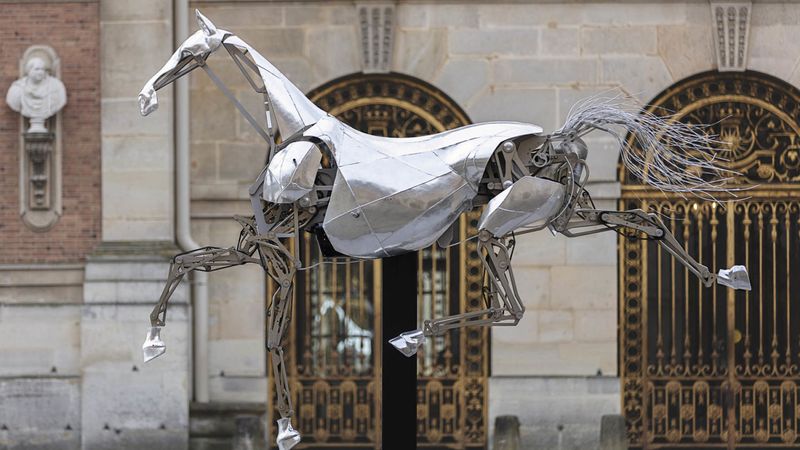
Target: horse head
{"x":186,"y":58}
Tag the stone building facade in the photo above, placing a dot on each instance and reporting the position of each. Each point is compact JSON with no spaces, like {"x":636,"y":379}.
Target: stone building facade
{"x":74,"y":301}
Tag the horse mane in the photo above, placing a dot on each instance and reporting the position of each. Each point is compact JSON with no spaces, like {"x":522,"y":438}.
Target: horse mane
{"x":659,"y":150}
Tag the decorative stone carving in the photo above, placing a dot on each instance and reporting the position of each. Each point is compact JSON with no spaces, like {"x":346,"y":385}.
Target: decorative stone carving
{"x":376,"y":25}
{"x":38,"y":95}
{"x":731,"y":27}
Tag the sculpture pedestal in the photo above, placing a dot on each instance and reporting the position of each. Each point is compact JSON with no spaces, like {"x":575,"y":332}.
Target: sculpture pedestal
{"x":399,"y":373}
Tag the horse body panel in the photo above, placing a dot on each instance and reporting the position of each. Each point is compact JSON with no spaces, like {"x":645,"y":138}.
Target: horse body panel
{"x":396,"y":195}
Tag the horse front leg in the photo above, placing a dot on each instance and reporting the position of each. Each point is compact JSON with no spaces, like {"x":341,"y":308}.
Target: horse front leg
{"x":206,"y":259}
{"x":503,"y":305}
{"x":281,"y":267}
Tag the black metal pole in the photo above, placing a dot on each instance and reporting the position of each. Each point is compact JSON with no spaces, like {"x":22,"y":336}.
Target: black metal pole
{"x":399,"y":373}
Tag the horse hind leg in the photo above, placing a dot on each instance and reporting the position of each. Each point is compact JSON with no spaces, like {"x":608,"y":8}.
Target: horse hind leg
{"x":651,"y":225}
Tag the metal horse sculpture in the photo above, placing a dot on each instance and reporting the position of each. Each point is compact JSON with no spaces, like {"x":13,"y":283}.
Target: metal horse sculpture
{"x":369,"y":197}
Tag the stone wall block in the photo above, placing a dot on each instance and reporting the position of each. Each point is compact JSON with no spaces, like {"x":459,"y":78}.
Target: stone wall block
{"x":543,"y":404}
{"x":141,"y":10}
{"x":613,"y":432}
{"x":124,"y":228}
{"x":133,"y":199}
{"x":550,"y":14}
{"x":462,"y":79}
{"x":298,"y":70}
{"x":125,"y":66}
{"x":204,"y":162}
{"x":333,"y":51}
{"x":559,"y":41}
{"x":411,"y":15}
{"x":121,"y":116}
{"x":571,"y":95}
{"x":131,"y":292}
{"x":519,"y":104}
{"x":493,"y":42}
{"x":335,"y":14}
{"x":237,"y":357}
{"x":593,"y":250}
{"x":274,"y":42}
{"x":533,"y":283}
{"x":686,"y":60}
{"x":584,"y":287}
{"x":112,"y":336}
{"x":40,"y":413}
{"x":637,"y":40}
{"x":603,"y":158}
{"x":150,"y":409}
{"x":585,"y":358}
{"x":546,"y":71}
{"x":420,"y":52}
{"x":772,"y":14}
{"x":237,"y":388}
{"x":606,"y":14}
{"x":127,"y":270}
{"x":229,"y":17}
{"x":136,"y":153}
{"x":526,"y":331}
{"x":641,"y":76}
{"x":509,"y":358}
{"x":454,"y":16}
{"x":41,"y":294}
{"x":771,"y":52}
{"x":540,"y":249}
{"x":555,"y":326}
{"x":593,"y":325}
{"x":216,"y":113}
{"x":39,"y":340}
{"x":240,"y":296}
{"x":241,"y":162}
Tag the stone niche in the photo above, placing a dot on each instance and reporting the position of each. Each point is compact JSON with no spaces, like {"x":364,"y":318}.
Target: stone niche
{"x":40,"y":144}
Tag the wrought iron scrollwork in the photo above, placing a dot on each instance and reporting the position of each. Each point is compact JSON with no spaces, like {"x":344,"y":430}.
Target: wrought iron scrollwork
{"x":709,"y":366}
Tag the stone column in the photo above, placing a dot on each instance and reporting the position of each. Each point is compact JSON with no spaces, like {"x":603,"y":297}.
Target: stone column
{"x":125,"y":404}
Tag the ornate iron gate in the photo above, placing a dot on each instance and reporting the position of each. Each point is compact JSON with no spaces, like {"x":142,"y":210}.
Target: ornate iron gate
{"x":716,"y":367}
{"x":335,"y":342}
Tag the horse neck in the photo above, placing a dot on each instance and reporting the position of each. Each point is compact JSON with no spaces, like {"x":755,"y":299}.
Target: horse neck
{"x":293,"y":111}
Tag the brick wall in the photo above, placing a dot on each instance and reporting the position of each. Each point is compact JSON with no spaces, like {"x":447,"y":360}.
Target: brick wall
{"x":72,"y":30}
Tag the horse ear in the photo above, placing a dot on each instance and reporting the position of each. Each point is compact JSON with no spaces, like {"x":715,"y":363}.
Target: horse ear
{"x":206,"y":25}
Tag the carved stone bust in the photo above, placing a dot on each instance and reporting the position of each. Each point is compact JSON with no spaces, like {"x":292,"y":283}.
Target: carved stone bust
{"x":37,"y":96}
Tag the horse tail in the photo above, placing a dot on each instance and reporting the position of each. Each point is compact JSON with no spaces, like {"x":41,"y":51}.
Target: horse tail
{"x":661,"y":151}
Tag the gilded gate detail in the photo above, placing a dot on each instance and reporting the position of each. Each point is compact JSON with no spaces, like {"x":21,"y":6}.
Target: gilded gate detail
{"x":336,"y":340}
{"x":712,"y":366}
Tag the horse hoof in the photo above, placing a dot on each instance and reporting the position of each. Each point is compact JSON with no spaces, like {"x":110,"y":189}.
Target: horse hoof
{"x":736,"y":277}
{"x":148,"y":101}
{"x":409,"y":342}
{"x":153,"y":346}
{"x":288,"y":437}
